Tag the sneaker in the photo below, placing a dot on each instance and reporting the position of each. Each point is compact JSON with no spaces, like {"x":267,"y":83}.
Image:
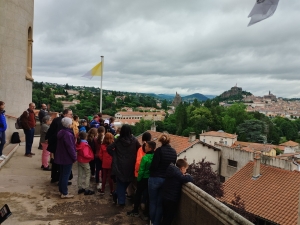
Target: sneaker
{"x":133,"y":213}
{"x":67,"y":196}
{"x":101,"y":192}
{"x":89,"y":192}
{"x":47,"y":168}
{"x":32,"y":153}
{"x":42,"y":167}
{"x":3,"y":156}
{"x":99,"y":186}
{"x":28,"y":155}
{"x":81,"y":190}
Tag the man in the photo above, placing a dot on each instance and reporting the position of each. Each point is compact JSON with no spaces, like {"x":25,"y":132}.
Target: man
{"x":51,"y":136}
{"x":28,"y":124}
{"x":43,"y":112}
{"x":3,"y":126}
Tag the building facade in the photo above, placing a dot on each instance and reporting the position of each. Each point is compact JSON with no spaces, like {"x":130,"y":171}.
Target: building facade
{"x":16,"y":38}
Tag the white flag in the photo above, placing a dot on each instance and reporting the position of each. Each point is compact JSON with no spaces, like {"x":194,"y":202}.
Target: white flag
{"x":262,"y":9}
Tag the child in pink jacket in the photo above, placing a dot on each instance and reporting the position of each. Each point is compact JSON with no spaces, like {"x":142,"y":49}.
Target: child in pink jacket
{"x":84,"y":156}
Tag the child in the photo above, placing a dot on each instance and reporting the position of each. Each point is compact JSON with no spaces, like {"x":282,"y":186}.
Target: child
{"x":45,"y":155}
{"x":84,"y":156}
{"x":142,"y":180}
{"x":175,"y":177}
{"x":106,"y":163}
{"x":98,"y":162}
{"x":91,"y":135}
{"x":75,"y":125}
{"x":83,"y":125}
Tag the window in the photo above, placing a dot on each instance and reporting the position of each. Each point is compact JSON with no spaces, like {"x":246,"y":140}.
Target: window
{"x":204,"y":140}
{"x":29,"y":55}
{"x":225,"y":142}
{"x":232,"y":163}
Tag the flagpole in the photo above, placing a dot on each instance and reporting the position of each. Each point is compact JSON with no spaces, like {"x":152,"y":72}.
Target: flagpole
{"x":102,"y":64}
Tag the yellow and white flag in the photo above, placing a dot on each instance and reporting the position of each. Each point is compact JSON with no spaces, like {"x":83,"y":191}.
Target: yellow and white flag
{"x":95,"y":71}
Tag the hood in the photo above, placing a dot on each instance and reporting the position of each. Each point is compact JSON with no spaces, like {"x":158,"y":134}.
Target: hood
{"x":80,"y":146}
{"x":126,"y":141}
{"x":172,"y":170}
{"x":63,"y":132}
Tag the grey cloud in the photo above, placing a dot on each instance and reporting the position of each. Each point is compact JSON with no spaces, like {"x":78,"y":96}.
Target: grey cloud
{"x":164,"y":46}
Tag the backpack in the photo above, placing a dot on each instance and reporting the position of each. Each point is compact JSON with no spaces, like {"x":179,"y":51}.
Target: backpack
{"x":15,"y":138}
{"x":18,"y":124}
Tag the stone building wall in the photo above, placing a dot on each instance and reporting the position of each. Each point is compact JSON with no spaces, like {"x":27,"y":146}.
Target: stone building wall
{"x":16,"y":31}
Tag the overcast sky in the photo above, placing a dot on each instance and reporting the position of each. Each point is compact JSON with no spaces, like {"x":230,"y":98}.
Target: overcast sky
{"x":167,"y":46}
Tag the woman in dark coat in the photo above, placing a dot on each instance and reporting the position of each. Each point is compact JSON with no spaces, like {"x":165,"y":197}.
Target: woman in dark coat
{"x":162,"y":158}
{"x":123,"y":151}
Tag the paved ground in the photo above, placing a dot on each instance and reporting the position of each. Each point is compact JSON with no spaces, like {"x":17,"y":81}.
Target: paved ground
{"x":33,"y":200}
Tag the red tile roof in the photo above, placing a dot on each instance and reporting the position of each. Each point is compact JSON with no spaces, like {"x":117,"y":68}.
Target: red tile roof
{"x":252,"y":146}
{"x":273,"y":196}
{"x":179,"y":143}
{"x":290,"y":144}
{"x":219,"y":134}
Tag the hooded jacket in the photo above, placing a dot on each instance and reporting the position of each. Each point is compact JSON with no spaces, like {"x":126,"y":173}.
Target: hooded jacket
{"x":146,"y":161}
{"x":65,"y":149}
{"x":52,"y":132}
{"x":84,"y":152}
{"x":105,"y":157}
{"x":3,"y":124}
{"x":162,"y":158}
{"x":124,"y":153}
{"x":173,"y":182}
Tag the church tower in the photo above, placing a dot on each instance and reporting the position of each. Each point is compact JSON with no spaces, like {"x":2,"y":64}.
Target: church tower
{"x":177,"y":100}
{"x":16,"y":38}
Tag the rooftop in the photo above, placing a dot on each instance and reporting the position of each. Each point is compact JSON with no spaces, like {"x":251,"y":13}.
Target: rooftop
{"x":274,"y":196}
{"x":290,"y":144}
{"x":219,"y":134}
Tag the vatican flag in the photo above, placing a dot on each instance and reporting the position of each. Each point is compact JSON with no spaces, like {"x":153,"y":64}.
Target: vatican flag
{"x":262,"y":9}
{"x":95,"y":71}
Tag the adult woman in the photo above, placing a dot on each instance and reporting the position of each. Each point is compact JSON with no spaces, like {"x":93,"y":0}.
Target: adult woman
{"x":3,"y":126}
{"x":123,"y":151}
{"x":162,"y":158}
{"x":65,"y":155}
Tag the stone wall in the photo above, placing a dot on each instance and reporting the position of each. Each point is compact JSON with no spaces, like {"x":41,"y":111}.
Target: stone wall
{"x":198,"y":208}
{"x":16,"y":19}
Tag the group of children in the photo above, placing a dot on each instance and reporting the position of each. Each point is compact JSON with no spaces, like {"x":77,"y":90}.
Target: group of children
{"x":175,"y":177}
{"x":92,"y":158}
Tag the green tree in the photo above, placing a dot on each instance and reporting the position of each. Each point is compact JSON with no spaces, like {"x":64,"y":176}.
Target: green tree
{"x":252,"y":131}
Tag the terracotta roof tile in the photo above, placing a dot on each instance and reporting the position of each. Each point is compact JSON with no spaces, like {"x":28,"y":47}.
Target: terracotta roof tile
{"x":273,"y":196}
{"x":219,"y":134}
{"x":290,"y":144}
{"x":179,"y":143}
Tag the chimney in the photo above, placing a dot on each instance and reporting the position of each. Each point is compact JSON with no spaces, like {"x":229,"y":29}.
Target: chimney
{"x":192,"y":137}
{"x":256,"y":166}
{"x":153,"y":127}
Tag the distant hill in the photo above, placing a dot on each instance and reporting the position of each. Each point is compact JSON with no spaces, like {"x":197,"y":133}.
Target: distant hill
{"x":210,"y":96}
{"x":198,"y":96}
{"x":235,"y":93}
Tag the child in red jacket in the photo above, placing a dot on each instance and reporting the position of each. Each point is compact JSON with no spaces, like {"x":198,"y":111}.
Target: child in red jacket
{"x":84,"y":156}
{"x":106,"y":163}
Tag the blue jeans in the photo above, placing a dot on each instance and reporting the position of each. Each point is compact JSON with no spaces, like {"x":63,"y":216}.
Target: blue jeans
{"x":65,"y":171}
{"x":29,"y":135}
{"x":121,"y":191}
{"x":155,"y":199}
{"x":2,"y":141}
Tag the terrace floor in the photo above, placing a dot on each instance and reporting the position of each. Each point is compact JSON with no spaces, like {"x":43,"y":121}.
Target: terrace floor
{"x":33,"y":200}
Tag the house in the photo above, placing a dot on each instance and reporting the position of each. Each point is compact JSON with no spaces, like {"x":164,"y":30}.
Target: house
{"x":72,"y":92}
{"x":156,"y":116}
{"x":266,"y":149}
{"x":220,"y":136}
{"x":189,"y":148}
{"x":270,"y":194}
{"x":67,"y":104}
{"x":294,"y":146}
{"x":234,"y":158}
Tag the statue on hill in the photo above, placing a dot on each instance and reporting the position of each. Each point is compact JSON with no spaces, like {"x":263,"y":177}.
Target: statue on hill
{"x":233,"y":91}
{"x":177,"y":100}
